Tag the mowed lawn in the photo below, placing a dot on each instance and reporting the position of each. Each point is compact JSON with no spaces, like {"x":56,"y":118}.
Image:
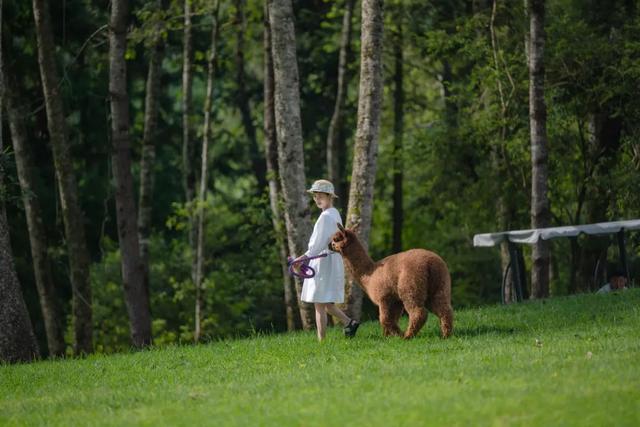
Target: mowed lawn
{"x":564,"y":361}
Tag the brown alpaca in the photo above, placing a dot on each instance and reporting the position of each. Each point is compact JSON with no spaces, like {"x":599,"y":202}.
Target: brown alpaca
{"x":416,"y":280}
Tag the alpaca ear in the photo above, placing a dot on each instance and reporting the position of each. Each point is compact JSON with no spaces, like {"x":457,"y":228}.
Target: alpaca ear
{"x":340,"y":227}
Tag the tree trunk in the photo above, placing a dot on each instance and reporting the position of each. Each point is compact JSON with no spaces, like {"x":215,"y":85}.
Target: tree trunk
{"x":17,"y":341}
{"x":204,"y":170}
{"x":602,"y":148}
{"x":271,"y":154}
{"x":71,"y":212}
{"x":148,"y":157}
{"x":188,"y":146}
{"x":527,"y":36}
{"x":136,"y":296}
{"x":366,"y":146}
{"x":49,"y":304}
{"x":499,"y":164}
{"x":540,"y":210}
{"x":398,"y":129}
{"x":335,"y":142}
{"x":242,"y":98}
{"x":289,"y":131}
{"x":188,"y":176}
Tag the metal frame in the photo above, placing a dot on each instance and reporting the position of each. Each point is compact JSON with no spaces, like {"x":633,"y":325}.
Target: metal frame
{"x":515,"y":255}
{"x":622,"y":250}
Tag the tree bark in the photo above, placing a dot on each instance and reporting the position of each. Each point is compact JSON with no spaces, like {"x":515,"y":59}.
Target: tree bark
{"x":527,"y":35}
{"x":136,"y":296}
{"x":49,"y":303}
{"x":271,"y":154}
{"x":72,"y":215}
{"x":540,"y":210}
{"x":335,"y":142}
{"x":204,"y":171}
{"x":242,"y":99}
{"x":188,"y":146}
{"x":188,"y":175}
{"x":366,"y":146}
{"x":289,"y":131}
{"x":603,"y":145}
{"x":499,"y":162}
{"x":17,"y":341}
{"x":398,"y":129}
{"x":148,"y":157}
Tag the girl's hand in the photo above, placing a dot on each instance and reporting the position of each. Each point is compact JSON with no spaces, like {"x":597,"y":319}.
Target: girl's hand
{"x":300,"y":258}
{"x":297,"y":263}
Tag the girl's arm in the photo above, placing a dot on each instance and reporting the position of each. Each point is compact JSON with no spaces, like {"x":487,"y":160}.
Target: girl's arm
{"x":322,"y":232}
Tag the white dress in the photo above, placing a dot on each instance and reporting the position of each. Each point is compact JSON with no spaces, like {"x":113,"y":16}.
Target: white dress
{"x":328,"y":283}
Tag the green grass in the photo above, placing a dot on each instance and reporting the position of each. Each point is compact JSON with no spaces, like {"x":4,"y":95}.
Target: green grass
{"x":565,"y":361}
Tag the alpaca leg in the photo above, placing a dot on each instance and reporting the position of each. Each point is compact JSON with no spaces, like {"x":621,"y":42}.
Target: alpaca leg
{"x":417,"y":319}
{"x":395,"y":313}
{"x":389,"y":328}
{"x":445,"y":314}
{"x":440,"y":305}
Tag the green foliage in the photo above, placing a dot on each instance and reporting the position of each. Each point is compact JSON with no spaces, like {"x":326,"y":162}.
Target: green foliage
{"x":466,"y":140}
{"x":242,"y":286}
{"x":567,"y":361}
{"x":466,"y":155}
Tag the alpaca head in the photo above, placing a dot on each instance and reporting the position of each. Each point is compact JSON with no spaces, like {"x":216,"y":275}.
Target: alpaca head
{"x":342,"y":239}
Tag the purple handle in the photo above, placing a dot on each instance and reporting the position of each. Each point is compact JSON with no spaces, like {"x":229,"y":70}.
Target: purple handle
{"x":306,"y":272}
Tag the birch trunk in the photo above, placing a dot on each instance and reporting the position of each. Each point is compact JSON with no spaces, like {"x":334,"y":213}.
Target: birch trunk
{"x":366,"y":146}
{"x":204,"y":171}
{"x":271,"y":154}
{"x":188,"y":146}
{"x":335,"y":142}
{"x":188,"y":176}
{"x":540,"y":210}
{"x":289,"y":132}
{"x":17,"y":341}
{"x":72,"y":215}
{"x":49,"y":304}
{"x":398,"y":129}
{"x":148,"y":157}
{"x":242,"y":99}
{"x":136,"y":296}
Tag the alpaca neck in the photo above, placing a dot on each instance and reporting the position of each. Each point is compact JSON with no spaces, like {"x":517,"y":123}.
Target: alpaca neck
{"x":359,"y":262}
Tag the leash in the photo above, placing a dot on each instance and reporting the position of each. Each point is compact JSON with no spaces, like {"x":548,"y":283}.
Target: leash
{"x":305,"y":271}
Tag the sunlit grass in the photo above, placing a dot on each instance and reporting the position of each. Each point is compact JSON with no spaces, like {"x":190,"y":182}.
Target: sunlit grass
{"x":564,"y":361}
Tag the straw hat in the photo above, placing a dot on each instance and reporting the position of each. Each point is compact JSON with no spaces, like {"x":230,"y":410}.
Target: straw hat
{"x":322,"y":186}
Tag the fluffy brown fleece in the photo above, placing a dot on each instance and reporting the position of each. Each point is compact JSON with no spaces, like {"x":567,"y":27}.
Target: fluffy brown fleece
{"x":416,"y":280}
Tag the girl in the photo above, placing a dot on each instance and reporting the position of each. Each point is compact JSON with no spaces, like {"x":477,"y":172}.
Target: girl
{"x":327,"y":287}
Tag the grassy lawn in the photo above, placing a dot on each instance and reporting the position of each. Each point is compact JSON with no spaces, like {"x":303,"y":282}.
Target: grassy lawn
{"x":566,"y":361}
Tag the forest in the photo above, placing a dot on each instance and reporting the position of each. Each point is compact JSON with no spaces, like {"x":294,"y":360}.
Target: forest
{"x":154,"y":154}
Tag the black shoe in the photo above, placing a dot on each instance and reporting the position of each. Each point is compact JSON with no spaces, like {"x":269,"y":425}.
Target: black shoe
{"x":351,"y":329}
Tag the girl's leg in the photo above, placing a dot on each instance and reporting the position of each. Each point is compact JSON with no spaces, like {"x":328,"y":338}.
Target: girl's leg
{"x":332,"y":309}
{"x":321,"y":319}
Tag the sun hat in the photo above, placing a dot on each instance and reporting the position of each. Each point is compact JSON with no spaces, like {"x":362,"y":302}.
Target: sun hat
{"x":322,"y":186}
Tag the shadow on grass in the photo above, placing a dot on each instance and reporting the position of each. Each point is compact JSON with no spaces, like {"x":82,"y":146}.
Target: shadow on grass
{"x":479,"y":330}
{"x":461,"y":332}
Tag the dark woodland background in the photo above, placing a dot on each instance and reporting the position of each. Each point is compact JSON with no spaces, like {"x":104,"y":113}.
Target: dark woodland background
{"x":465,"y":155}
